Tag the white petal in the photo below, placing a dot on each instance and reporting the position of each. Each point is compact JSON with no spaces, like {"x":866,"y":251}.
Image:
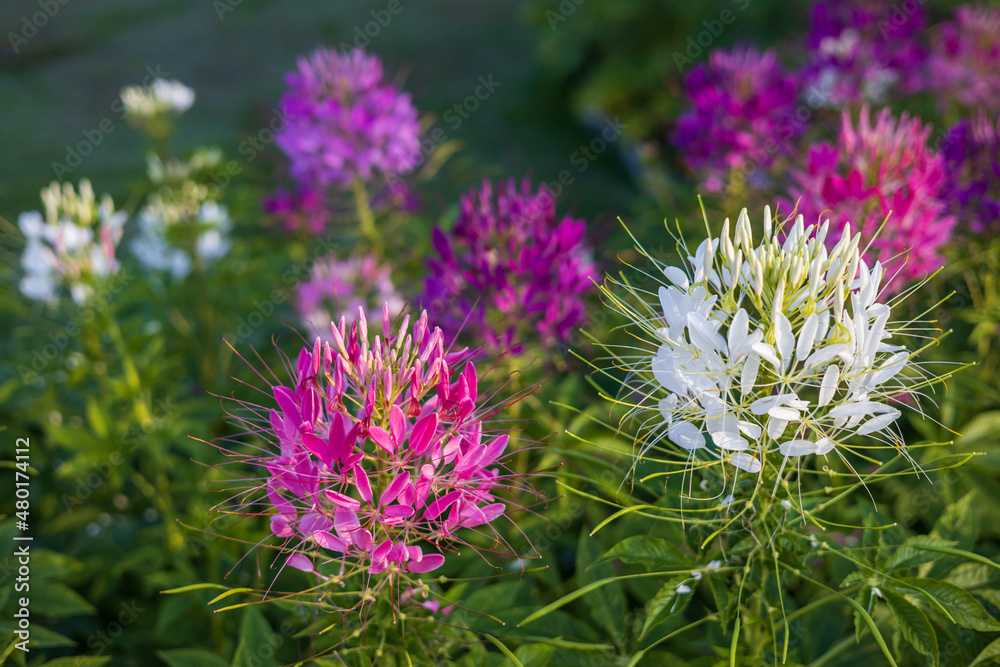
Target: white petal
{"x":749,"y":375}
{"x":824,"y":355}
{"x":784,"y":413}
{"x":807,"y":337}
{"x":750,"y":430}
{"x":797,"y":448}
{"x":686,"y":435}
{"x":831,"y":378}
{"x":775,"y":427}
{"x":676,"y":276}
{"x":745,"y":461}
{"x":890,"y":368}
{"x":766,"y":353}
{"x":738,"y":329}
{"x":784,"y":340}
{"x":762,"y":405}
{"x":730,"y":441}
{"x":824,"y":446}
{"x":855,"y":409}
{"x":877,"y":423}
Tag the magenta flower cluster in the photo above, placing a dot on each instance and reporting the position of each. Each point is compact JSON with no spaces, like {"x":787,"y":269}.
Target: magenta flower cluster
{"x":972,"y":166}
{"x":742,"y":116}
{"x":862,"y":49}
{"x":344,"y":121}
{"x":379,"y":454}
{"x":964,"y":66}
{"x":881,"y":172}
{"x":509,"y":271}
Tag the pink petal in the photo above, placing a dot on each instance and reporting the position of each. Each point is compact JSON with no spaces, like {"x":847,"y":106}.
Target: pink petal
{"x":382,"y":438}
{"x":381,"y":550}
{"x":395,"y":488}
{"x":328,"y":541}
{"x":346,"y":522}
{"x":398,"y":553}
{"x":300,"y":562}
{"x":312,"y":408}
{"x":435,"y":509}
{"x":343,"y":501}
{"x":280,"y":527}
{"x":282,"y":504}
{"x":312,"y":522}
{"x":320,"y":448}
{"x":286,"y":401}
{"x":423,"y":433}
{"x":397,"y":423}
{"x":428,"y":563}
{"x":361,"y":480}
{"x":398,"y":511}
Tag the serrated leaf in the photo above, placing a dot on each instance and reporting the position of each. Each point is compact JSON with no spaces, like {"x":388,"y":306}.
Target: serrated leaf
{"x":963,"y":607}
{"x":654,"y":552}
{"x":664,"y":604}
{"x":190,"y":657}
{"x":969,"y":575}
{"x":914,"y":625}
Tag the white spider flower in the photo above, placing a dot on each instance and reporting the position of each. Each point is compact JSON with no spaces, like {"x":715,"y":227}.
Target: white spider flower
{"x":174,"y":231}
{"x":761,"y":354}
{"x":161,"y":97}
{"x":72,"y":245}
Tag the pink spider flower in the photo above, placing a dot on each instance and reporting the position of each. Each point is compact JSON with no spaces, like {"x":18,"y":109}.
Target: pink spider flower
{"x":881,"y":172}
{"x":964,"y":66}
{"x":378,"y":455}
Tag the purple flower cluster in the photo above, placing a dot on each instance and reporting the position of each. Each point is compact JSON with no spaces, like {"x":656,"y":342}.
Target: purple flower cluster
{"x":345,"y":122}
{"x":878,"y":172}
{"x":302,"y":209}
{"x":509,"y":271}
{"x":861,"y":49}
{"x":743,"y":106}
{"x":964,"y":66}
{"x":346,"y":286}
{"x":972,"y":164}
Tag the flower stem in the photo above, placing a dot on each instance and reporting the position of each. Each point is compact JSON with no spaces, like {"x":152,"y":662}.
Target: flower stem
{"x":365,"y":215}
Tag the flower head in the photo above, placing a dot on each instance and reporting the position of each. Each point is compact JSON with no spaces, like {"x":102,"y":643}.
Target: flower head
{"x":742,"y":114}
{"x":972,"y":166}
{"x":762,"y":353}
{"x":72,"y":244}
{"x":152,"y":108}
{"x":301,"y":209}
{"x":345,"y":122}
{"x":861,"y":49}
{"x":509,"y":270}
{"x":964,"y":66}
{"x":181,"y":225}
{"x":346,"y":286}
{"x":377,"y":456}
{"x":881,"y":172}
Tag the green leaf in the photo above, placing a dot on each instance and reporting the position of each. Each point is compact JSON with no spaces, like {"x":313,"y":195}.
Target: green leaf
{"x":654,"y":552}
{"x":664,"y":604}
{"x":608,"y":604}
{"x":190,"y":657}
{"x":535,"y":655}
{"x":503,"y":649}
{"x":965,"y":609}
{"x":79,"y":661}
{"x":719,"y":584}
{"x":59,"y":600}
{"x":914,"y":625}
{"x":257,"y":641}
{"x":991,"y":652}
